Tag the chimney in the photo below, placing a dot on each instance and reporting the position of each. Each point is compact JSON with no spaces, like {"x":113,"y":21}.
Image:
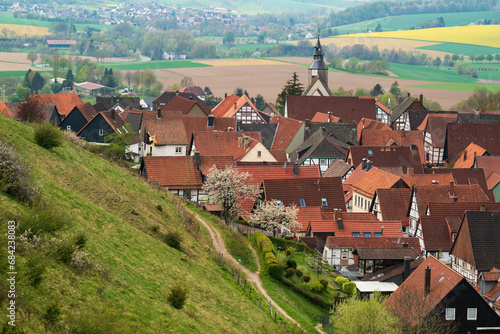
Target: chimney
{"x":482,"y":208}
{"x":427,"y":281}
{"x":381,"y":230}
{"x":240,"y":140}
{"x":409,"y":171}
{"x":406,"y":271}
{"x":235,"y":105}
{"x":405,"y":245}
{"x":295,"y":169}
{"x":329,"y":116}
{"x":422,"y":99}
{"x":158,"y":113}
{"x":197,"y":158}
{"x":363,"y":164}
{"x":176,"y":92}
{"x":210,"y":122}
{"x":368,"y":165}
{"x":452,"y":189}
{"x":340,"y":224}
{"x":246,"y":142}
{"x":465,"y":154}
{"x":225,"y":95}
{"x":408,"y":94}
{"x":113,"y":114}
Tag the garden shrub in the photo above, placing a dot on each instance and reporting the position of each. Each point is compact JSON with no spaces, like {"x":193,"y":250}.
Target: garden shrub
{"x":288,"y":252}
{"x":289,"y":272}
{"x":324,"y":282}
{"x":307,"y":278}
{"x":284,"y":244}
{"x":15,"y":176}
{"x":349,"y":288}
{"x":299,"y":273}
{"x":317,"y":287}
{"x":276,"y":271}
{"x":174,"y":240}
{"x":270,"y":258}
{"x":48,"y":135}
{"x":318,"y":300}
{"x":159,"y":208}
{"x":340,"y":280}
{"x":292,"y":250}
{"x":291,"y":263}
{"x":177,"y":296}
{"x":73,"y":138}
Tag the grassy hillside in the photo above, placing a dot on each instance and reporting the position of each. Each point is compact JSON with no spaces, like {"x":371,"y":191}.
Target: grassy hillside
{"x":123,"y":220}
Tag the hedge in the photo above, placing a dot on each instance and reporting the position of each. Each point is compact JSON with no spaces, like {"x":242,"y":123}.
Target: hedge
{"x":284,"y":244}
{"x":266,"y":249}
{"x":315,"y":299}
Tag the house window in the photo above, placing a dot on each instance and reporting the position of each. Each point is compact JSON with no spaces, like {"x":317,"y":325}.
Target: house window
{"x":101,"y":132}
{"x":367,"y":234}
{"x":344,"y":256}
{"x":302,"y":202}
{"x":259,"y":154}
{"x":472,"y":314}
{"x":322,"y":161}
{"x":278,"y":202}
{"x":178,"y":149}
{"x":450,"y":314}
{"x":355,"y":234}
{"x":378,"y":234}
{"x":370,"y":152}
{"x":324,"y":202}
{"x":68,"y":127}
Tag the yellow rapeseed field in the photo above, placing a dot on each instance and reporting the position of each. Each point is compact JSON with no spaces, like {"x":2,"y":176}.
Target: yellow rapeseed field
{"x":485,"y":35}
{"x":22,"y":30}
{"x":241,"y":62}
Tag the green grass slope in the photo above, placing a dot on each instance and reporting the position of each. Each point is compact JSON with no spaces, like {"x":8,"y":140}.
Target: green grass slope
{"x":116,"y":211}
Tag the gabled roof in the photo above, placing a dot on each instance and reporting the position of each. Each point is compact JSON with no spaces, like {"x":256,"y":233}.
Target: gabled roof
{"x":219,"y":161}
{"x":126,"y":101}
{"x":196,"y":90}
{"x":493,"y":180}
{"x":112,"y":118}
{"x":460,"y":135}
{"x":286,"y":131}
{"x":443,"y":194}
{"x":338,"y":168}
{"x":370,"y":124}
{"x":183,"y":105}
{"x":375,"y":179}
{"x":167,"y":96}
{"x":409,"y":103}
{"x":491,"y":117}
{"x":489,"y":165}
{"x":467,"y":157}
{"x":383,"y":107}
{"x":218,"y":143}
{"x":99,"y":107}
{"x":344,"y":132}
{"x":359,"y":216}
{"x":435,"y":125}
{"x":267,"y":132}
{"x":373,"y":242}
{"x":194,"y":123}
{"x":310,"y":189}
{"x":443,"y":280}
{"x":393,"y":271}
{"x":173,"y":172}
{"x":65,"y":102}
{"x":484,"y":237}
{"x":86,"y":110}
{"x":134,"y":118}
{"x":391,"y":229}
{"x":428,"y":179}
{"x":231,"y":104}
{"x":305,"y":215}
{"x":400,"y":157}
{"x":376,"y":137}
{"x":394,"y":203}
{"x":319,"y":146}
{"x":348,"y":109}
{"x":389,"y":253}
{"x":436,"y":235}
{"x":240,"y":150}
{"x":325,"y":118}
{"x":4,"y":110}
{"x":168,"y":130}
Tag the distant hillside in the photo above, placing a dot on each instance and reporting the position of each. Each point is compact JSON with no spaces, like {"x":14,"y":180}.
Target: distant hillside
{"x":123,"y":220}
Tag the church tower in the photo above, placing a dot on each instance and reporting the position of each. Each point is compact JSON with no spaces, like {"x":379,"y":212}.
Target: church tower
{"x":318,"y":75}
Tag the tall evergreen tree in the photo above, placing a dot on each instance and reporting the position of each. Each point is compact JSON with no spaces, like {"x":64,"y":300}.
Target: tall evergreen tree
{"x":37,"y":83}
{"x":26,"y":80}
{"x":292,"y":87}
{"x":377,"y":90}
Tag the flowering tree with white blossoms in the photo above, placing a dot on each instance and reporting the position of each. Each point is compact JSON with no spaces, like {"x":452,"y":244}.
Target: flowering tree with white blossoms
{"x":272,"y":216}
{"x":228,"y":188}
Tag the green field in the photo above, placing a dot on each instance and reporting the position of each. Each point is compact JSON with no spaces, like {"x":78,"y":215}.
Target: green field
{"x":123,"y":219}
{"x":487,"y":71}
{"x":15,"y":73}
{"x":404,"y":22}
{"x":154,"y":65}
{"x":7,"y":18}
{"x":459,"y":87}
{"x":461,"y":49}
{"x":411,"y":72}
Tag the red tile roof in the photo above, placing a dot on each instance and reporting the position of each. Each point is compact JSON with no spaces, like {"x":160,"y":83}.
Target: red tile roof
{"x":4,"y":110}
{"x":359,"y":216}
{"x":376,"y":137}
{"x":391,"y":229}
{"x":348,"y":109}
{"x":490,"y":165}
{"x":373,"y":180}
{"x":240,"y":150}
{"x":306,"y":214}
{"x":493,"y":180}
{"x":373,"y":242}
{"x":174,"y":172}
{"x":168,"y":130}
{"x":322,"y":117}
{"x":194,"y":123}
{"x":443,"y":280}
{"x":394,"y":203}
{"x":401,"y":157}
{"x":370,"y":124}
{"x":310,"y":189}
{"x":65,"y":102}
{"x":182,"y":105}
{"x":287,"y":129}
{"x":460,"y":135}
{"x":218,"y":143}
{"x":427,"y":179}
{"x":220,"y":161}
{"x":467,"y":157}
{"x":230,"y":105}
{"x":86,"y":110}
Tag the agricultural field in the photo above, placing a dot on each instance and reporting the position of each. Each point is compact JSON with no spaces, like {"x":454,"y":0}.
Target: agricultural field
{"x":22,"y":30}
{"x":405,"y":22}
{"x":485,"y":35}
{"x":461,"y":49}
{"x":155,"y":65}
{"x":428,"y":74}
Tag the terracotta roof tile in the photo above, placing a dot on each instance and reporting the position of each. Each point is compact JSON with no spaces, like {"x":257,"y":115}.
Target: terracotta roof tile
{"x":230,"y":105}
{"x":359,"y":216}
{"x":338,"y":168}
{"x":460,"y":135}
{"x":4,"y":110}
{"x":489,"y":164}
{"x":286,"y":131}
{"x":348,"y":109}
{"x":209,"y":161}
{"x":373,"y":242}
{"x":87,"y":110}
{"x":493,"y":180}
{"x":174,"y":172}
{"x":383,"y":107}
{"x":194,"y":123}
{"x":322,"y":117}
{"x":467,"y":157}
{"x":409,"y":103}
{"x":389,"y":253}
{"x":240,"y":150}
{"x":427,"y":179}
{"x":183,"y":105}
{"x":391,"y":229}
{"x":402,"y":157}
{"x":393,"y":271}
{"x":494,"y":293}
{"x":394,"y":203}
{"x":65,"y":102}
{"x":492,"y":275}
{"x":373,"y":180}
{"x":370,"y":124}
{"x":306,"y":214}
{"x":168,"y":130}
{"x":443,"y":280}
{"x":376,"y":137}
{"x":218,"y":143}
{"x":435,"y":125}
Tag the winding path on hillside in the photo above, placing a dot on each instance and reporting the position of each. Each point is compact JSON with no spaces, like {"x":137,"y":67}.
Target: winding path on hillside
{"x":220,"y":246}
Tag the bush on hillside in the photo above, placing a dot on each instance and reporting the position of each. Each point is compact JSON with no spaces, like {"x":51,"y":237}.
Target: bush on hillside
{"x":291,"y":263}
{"x":51,"y":314}
{"x":174,"y":240}
{"x":307,"y":278}
{"x":349,"y":288}
{"x":317,"y":287}
{"x":299,"y":273}
{"x":324,"y":282}
{"x":340,"y":280}
{"x":15,"y":176}
{"x":177,"y":296}
{"x":42,"y":219}
{"x":289,"y":272}
{"x":48,"y":136}
{"x":276,"y":271}
{"x":73,"y":138}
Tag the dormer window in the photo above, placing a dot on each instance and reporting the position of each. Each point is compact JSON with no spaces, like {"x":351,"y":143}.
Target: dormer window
{"x":355,"y":234}
{"x":324,"y":202}
{"x":302,"y":202}
{"x":278,"y":202}
{"x":370,"y":152}
{"x":367,"y":234}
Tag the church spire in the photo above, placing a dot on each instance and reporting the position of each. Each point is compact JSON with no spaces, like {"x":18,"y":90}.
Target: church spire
{"x":318,"y":51}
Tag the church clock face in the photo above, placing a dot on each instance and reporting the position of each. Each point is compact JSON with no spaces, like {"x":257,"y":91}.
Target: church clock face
{"x":314,"y":73}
